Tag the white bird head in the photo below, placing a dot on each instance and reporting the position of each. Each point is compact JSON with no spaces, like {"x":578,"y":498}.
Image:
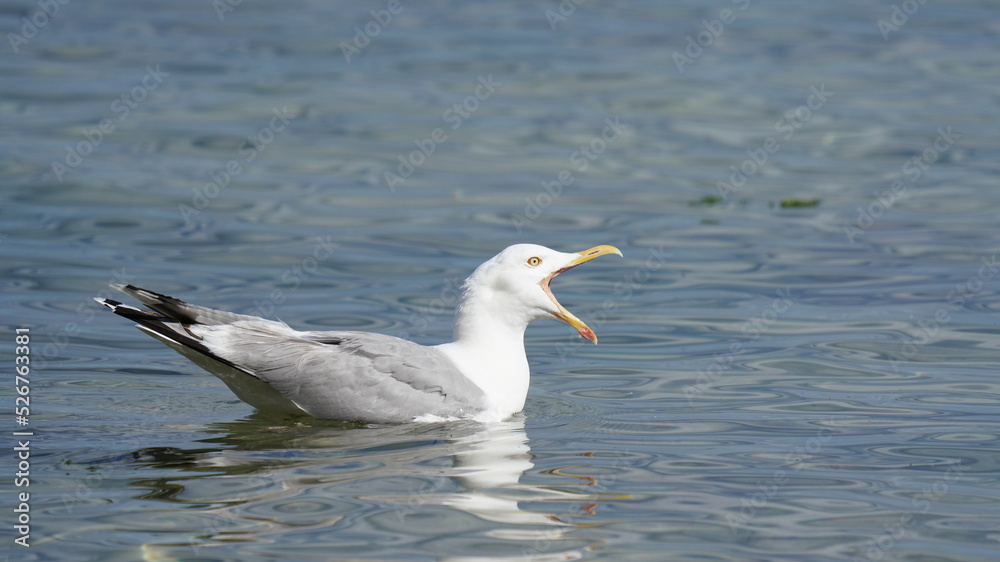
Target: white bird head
{"x":513,"y":286}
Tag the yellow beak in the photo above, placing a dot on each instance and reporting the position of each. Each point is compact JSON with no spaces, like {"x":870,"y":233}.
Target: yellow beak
{"x":563,"y":314}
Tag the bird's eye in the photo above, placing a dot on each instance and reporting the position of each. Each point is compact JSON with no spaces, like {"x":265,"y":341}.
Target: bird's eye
{"x":534,"y":261}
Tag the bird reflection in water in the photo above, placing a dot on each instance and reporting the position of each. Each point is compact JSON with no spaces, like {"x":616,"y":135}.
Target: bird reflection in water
{"x":261,"y":477}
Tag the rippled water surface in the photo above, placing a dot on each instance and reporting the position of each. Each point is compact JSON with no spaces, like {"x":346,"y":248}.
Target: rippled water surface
{"x":798,"y":355}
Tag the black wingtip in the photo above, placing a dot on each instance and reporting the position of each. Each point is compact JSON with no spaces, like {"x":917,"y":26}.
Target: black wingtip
{"x":132,"y":313}
{"x":166,"y":305}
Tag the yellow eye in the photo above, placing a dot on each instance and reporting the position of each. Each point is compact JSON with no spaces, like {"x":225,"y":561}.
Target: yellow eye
{"x":534,"y":261}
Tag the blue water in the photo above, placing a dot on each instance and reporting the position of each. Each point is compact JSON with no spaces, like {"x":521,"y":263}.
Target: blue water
{"x":798,"y":355}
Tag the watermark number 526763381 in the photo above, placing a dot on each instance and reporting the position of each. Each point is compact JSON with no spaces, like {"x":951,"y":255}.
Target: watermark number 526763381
{"x":22,"y":413}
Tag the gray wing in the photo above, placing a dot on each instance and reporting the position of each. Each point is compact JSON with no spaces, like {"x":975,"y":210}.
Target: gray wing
{"x":353,"y":376}
{"x":368,"y":377}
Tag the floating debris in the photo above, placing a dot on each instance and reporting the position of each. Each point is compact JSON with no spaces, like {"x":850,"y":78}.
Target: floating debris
{"x":795,"y":203}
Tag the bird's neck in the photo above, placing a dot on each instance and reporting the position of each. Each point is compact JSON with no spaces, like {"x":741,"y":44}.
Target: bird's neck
{"x":489,"y":349}
{"x":480,"y":321}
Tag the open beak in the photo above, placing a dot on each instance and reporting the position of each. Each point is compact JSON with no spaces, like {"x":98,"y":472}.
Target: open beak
{"x":563,"y":314}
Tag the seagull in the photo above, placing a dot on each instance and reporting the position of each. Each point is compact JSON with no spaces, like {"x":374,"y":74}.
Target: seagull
{"x":374,"y":378}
